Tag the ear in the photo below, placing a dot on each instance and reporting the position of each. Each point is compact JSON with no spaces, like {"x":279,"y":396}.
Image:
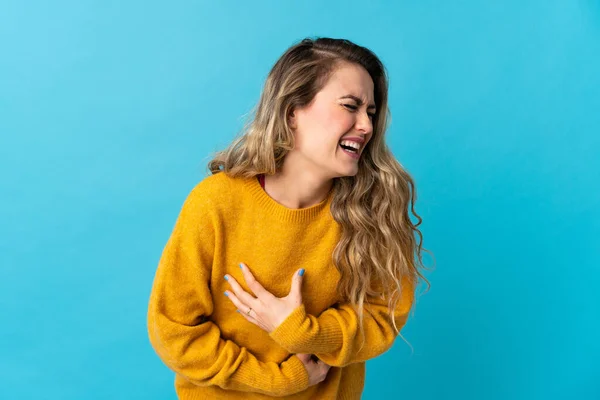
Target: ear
{"x":292,"y":120}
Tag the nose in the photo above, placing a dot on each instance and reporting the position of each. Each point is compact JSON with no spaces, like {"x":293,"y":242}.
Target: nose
{"x":364,"y":124}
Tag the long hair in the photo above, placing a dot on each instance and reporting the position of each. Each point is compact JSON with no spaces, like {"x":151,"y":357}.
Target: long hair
{"x":378,"y":253}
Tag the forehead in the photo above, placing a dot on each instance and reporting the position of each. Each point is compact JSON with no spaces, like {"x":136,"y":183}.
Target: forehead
{"x":350,"y":79}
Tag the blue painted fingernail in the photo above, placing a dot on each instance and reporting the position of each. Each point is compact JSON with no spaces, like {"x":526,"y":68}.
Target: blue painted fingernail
{"x":226,"y":278}
{"x":237,"y":310}
{"x":226,"y":294}
{"x":241,"y":266}
{"x":301,"y":272}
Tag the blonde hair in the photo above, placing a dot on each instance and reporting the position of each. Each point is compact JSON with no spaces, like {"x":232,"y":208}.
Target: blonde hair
{"x":377,"y":249}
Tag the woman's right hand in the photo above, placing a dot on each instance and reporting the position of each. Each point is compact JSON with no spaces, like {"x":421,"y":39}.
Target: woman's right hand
{"x":317,"y":370}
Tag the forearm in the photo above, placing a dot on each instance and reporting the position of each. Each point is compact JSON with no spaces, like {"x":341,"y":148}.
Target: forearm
{"x":335,"y":335}
{"x":200,"y":355}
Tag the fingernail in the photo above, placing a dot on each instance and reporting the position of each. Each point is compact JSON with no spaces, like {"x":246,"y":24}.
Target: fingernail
{"x":226,"y":278}
{"x":226,"y":294}
{"x":237,"y":310}
{"x":241,"y":266}
{"x":301,"y":272}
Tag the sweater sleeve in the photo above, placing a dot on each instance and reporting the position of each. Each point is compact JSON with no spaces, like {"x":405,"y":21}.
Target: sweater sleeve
{"x":334,"y":336}
{"x":180,"y":305}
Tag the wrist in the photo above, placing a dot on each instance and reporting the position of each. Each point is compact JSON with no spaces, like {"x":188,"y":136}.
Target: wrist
{"x":289,"y":331}
{"x":294,"y":369}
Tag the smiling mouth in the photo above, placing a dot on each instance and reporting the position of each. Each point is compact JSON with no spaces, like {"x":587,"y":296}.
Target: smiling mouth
{"x":351,"y":146}
{"x":349,"y":149}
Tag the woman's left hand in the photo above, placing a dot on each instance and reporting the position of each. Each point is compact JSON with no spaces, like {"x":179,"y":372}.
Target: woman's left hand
{"x":264,"y":310}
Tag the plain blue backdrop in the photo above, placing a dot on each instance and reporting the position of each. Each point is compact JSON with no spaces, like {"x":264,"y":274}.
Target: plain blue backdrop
{"x":110,"y":110}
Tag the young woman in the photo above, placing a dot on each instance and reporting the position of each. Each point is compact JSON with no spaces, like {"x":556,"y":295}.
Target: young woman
{"x":296,"y":260}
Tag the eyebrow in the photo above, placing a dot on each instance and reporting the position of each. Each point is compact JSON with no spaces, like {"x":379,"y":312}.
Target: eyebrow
{"x":357,"y":100}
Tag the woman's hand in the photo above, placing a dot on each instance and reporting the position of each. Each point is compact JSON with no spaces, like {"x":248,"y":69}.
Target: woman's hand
{"x":317,"y":370}
{"x":264,"y":310}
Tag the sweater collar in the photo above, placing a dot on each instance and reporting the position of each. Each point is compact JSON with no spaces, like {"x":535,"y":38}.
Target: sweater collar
{"x":301,"y":215}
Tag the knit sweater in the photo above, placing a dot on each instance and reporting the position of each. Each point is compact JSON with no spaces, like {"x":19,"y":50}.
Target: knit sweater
{"x":216,"y":353}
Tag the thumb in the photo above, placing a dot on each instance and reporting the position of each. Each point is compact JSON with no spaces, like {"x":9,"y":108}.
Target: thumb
{"x":296,"y":290}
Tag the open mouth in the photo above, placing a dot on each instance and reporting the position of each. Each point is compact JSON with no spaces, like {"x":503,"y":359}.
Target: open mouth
{"x":350,"y":146}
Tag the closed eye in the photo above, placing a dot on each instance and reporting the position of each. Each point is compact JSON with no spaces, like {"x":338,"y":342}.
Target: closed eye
{"x":353,"y":108}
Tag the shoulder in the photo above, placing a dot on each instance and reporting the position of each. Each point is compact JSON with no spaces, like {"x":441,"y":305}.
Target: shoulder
{"x":212,"y":185}
{"x":214,"y":191}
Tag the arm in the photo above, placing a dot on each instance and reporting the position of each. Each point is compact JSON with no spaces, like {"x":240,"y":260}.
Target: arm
{"x":335,"y":337}
{"x":178,"y":328}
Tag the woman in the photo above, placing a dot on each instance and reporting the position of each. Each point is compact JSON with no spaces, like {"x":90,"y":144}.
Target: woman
{"x":296,"y":260}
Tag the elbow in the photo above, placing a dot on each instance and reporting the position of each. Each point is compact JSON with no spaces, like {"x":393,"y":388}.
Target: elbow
{"x":160,"y":344}
{"x":169,"y":342}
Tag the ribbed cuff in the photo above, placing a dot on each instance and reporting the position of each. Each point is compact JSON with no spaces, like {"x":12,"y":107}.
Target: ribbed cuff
{"x":275,"y":379}
{"x":287,"y":334}
{"x":295,"y":370}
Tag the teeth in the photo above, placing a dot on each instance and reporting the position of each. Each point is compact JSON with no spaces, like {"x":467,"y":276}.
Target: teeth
{"x":350,"y":143}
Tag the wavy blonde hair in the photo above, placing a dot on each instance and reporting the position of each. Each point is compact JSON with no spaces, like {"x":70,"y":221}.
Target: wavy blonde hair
{"x":377,"y":248}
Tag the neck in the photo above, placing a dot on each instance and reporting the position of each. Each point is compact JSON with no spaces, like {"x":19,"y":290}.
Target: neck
{"x":296,"y":187}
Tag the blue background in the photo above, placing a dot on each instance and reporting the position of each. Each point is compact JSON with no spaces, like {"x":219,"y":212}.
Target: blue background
{"x":110,"y":110}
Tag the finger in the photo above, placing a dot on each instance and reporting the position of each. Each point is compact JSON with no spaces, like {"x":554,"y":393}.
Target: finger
{"x":324,"y":370}
{"x":240,"y":305}
{"x":296,"y":290}
{"x":258,"y":289}
{"x":244,"y":296}
{"x":243,"y":309}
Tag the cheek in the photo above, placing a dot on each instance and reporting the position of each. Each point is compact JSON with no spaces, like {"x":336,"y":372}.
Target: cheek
{"x":322,"y":129}
{"x":333,"y":124}
{"x":337,"y":120}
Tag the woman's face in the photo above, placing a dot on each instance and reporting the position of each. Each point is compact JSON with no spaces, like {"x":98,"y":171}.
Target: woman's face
{"x":338,"y":118}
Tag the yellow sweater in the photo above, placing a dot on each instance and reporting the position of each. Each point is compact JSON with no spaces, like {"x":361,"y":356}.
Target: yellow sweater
{"x":214,"y":352}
